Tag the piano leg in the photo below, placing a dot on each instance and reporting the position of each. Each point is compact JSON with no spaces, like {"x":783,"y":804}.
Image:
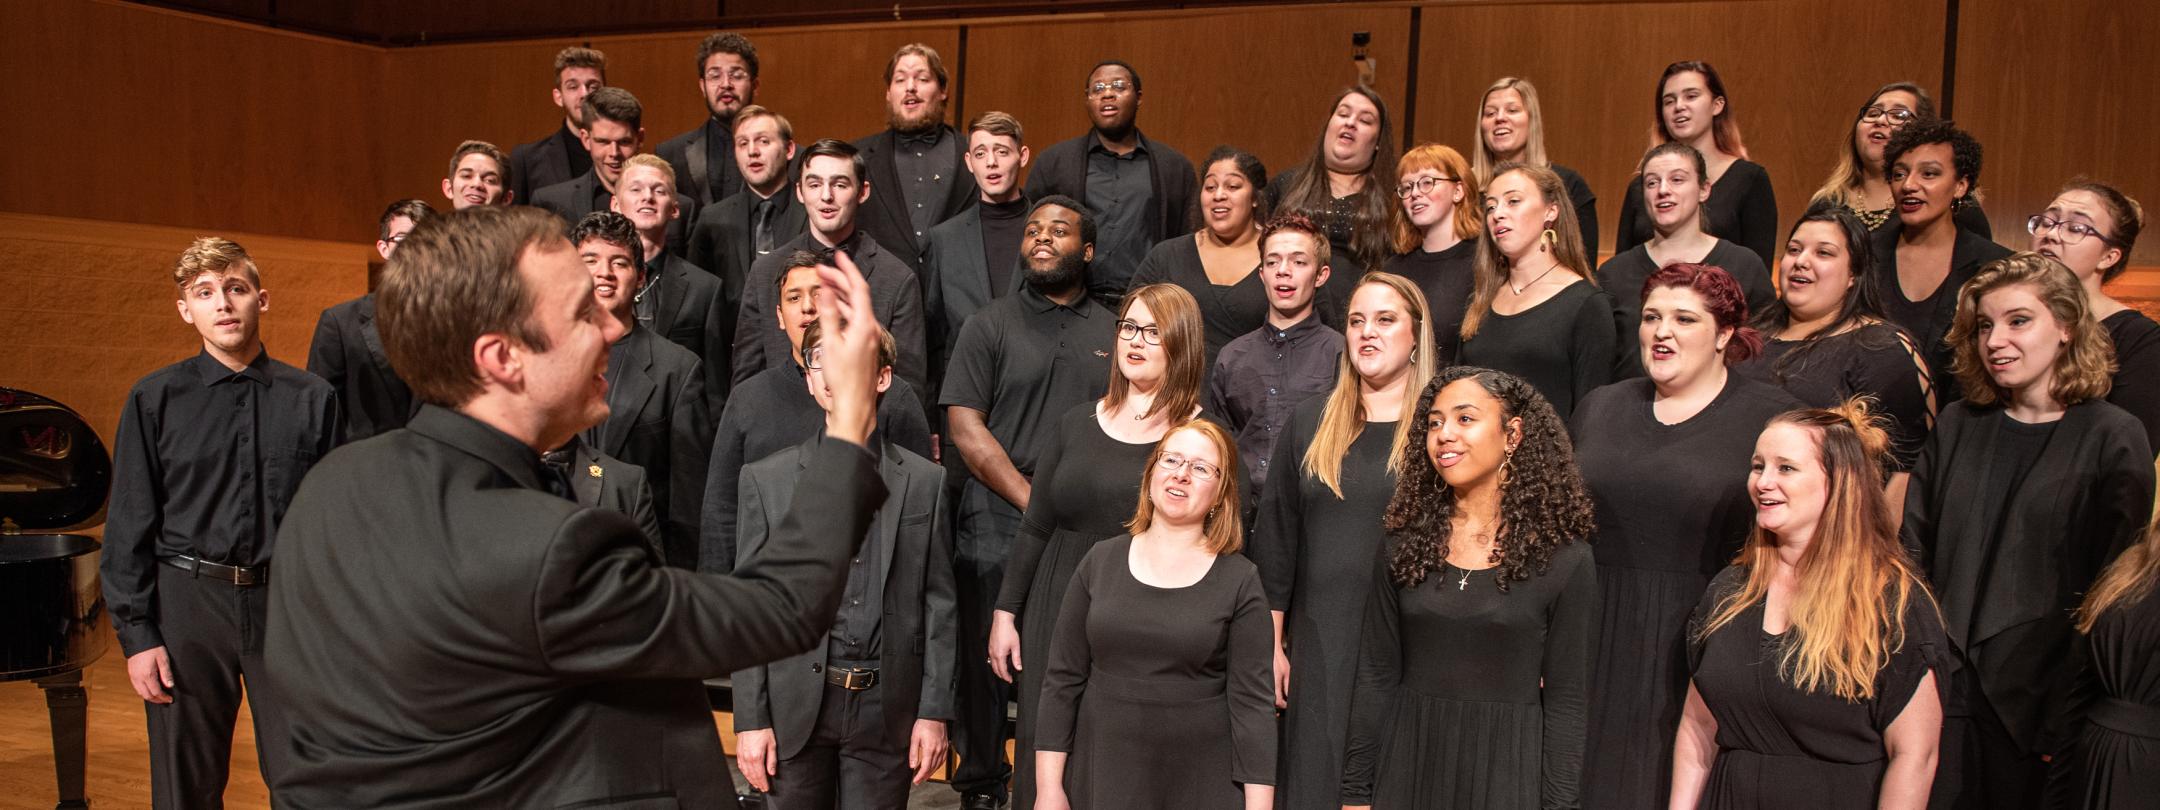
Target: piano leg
{"x":67,"y":704}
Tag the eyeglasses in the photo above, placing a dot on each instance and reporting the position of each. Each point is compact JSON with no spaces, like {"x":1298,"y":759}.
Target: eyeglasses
{"x":1201,"y":470}
{"x":2072,"y":232}
{"x":1111,"y":86}
{"x":1127,"y":329}
{"x":814,"y":360}
{"x":1423,"y":185}
{"x":1898,"y":115}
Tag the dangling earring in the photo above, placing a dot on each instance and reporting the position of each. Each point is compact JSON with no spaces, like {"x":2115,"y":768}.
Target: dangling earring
{"x":1549,"y":240}
{"x":1507,"y":468}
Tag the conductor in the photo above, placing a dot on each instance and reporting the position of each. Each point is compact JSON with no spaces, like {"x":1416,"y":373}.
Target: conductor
{"x":450,"y":629}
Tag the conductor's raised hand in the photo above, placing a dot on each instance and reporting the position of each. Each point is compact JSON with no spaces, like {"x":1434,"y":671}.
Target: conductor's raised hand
{"x":850,"y":347}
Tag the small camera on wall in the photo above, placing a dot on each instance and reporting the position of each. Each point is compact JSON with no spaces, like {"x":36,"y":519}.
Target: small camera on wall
{"x":1367,"y":66}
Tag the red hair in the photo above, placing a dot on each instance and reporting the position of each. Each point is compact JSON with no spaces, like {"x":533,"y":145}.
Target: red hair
{"x":1721,"y":295}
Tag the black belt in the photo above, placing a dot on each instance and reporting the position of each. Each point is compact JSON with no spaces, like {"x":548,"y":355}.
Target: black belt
{"x":853,"y":679}
{"x":241,"y":576}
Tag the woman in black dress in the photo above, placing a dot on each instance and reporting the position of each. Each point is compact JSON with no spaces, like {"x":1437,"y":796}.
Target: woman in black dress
{"x":1157,"y":694}
{"x":1535,"y":312}
{"x":1860,"y":183}
{"x":1470,"y":693}
{"x":1691,"y":108}
{"x":1816,"y":660}
{"x":1665,"y":458}
{"x":2113,"y":761}
{"x":1826,"y":340}
{"x":2090,"y":228}
{"x":1671,"y":181}
{"x":1216,"y":264}
{"x":1436,"y":234}
{"x":1086,"y":485}
{"x":1511,"y":129}
{"x":2026,"y":490}
{"x":1925,"y":257}
{"x":1344,"y":185}
{"x":1316,"y":543}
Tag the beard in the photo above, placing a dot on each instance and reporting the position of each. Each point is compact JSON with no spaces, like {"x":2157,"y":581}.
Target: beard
{"x":1069,"y":272}
{"x":933,"y":113}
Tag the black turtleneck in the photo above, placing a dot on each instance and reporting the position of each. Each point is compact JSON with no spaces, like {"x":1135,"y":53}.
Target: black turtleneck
{"x":1001,"y":227}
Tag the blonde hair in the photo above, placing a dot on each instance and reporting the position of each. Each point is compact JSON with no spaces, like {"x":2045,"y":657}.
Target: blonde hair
{"x":210,"y":254}
{"x":749,"y":111}
{"x":1177,"y":315}
{"x":2084,"y":369}
{"x":1855,"y":581}
{"x":1343,"y":418}
{"x":2125,"y":582}
{"x":1848,"y":175}
{"x":1223,"y":532}
{"x":654,"y":162}
{"x":1482,"y":160}
{"x":996,"y":123}
{"x":1448,"y":162}
{"x":1492,"y":265}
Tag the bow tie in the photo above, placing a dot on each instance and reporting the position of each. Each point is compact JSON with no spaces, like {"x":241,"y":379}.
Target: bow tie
{"x":924,"y":139}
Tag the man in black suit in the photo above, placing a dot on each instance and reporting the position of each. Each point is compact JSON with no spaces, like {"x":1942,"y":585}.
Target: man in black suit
{"x":600,"y":481}
{"x":614,"y":131}
{"x":754,"y":222}
{"x":845,"y":726}
{"x":677,"y":299}
{"x":917,"y":162}
{"x":348,"y":350}
{"x":479,"y":175}
{"x":449,"y":629}
{"x":704,"y":157}
{"x":658,"y":416}
{"x":561,"y":155}
{"x":829,"y":183}
{"x":974,"y":257}
{"x":1140,"y":191}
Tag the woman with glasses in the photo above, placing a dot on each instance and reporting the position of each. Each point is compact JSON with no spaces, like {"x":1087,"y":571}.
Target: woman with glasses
{"x":1535,"y":312}
{"x":1436,"y":232}
{"x":1511,"y":129}
{"x":1482,"y":624}
{"x":1924,"y":256}
{"x":1156,"y":692}
{"x":1344,"y":184}
{"x":1860,"y":182}
{"x":2090,"y":228}
{"x":1085,"y":487}
{"x":1316,"y":542}
{"x":1217,"y":264}
{"x":1690,"y":107}
{"x":1674,"y":189}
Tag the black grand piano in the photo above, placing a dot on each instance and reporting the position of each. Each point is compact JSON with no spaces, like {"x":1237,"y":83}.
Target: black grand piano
{"x":54,"y":476}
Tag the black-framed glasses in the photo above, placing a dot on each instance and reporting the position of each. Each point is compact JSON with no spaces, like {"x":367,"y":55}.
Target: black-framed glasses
{"x":2071,"y":233}
{"x":1201,"y":470}
{"x":1111,"y":86}
{"x":1898,"y":115}
{"x":1127,"y":329}
{"x":1422,"y":185}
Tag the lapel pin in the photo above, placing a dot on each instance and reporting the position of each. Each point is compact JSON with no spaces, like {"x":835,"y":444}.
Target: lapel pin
{"x":593,"y":471}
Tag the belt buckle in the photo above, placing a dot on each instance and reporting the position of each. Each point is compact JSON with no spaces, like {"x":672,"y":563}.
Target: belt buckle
{"x":868,"y":679}
{"x":244,"y":577}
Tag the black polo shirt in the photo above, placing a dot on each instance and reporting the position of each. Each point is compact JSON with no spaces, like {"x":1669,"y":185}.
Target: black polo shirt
{"x":1025,"y":359}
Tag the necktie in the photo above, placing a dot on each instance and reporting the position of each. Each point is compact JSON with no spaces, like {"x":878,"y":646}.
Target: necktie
{"x":764,"y":218}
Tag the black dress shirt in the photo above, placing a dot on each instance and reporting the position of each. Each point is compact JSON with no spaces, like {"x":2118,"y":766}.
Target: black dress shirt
{"x":855,"y":634}
{"x":721,"y":173}
{"x":1024,"y":360}
{"x":1120,"y":189}
{"x":926,"y":174}
{"x":204,"y":465}
{"x":1260,"y":378}
{"x":647,"y":303}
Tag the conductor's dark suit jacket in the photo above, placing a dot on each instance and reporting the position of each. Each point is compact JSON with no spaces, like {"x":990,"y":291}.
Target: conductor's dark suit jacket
{"x":919,"y":631}
{"x":658,"y":419}
{"x":886,"y":216}
{"x":602,"y":481}
{"x":348,"y":352}
{"x":444,"y":633}
{"x":694,"y":313}
{"x":553,"y":159}
{"x":573,"y":199}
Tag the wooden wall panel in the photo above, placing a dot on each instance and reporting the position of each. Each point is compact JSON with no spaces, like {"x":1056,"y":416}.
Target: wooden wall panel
{"x":139,"y":115}
{"x":1259,"y":79}
{"x":2058,"y":89}
{"x":1794,"y":71}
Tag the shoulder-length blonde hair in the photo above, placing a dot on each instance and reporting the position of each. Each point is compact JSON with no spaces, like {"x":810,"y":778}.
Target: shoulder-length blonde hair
{"x":1449,"y":163}
{"x":2127,"y":581}
{"x":1343,"y":418}
{"x":1492,"y":265}
{"x":1481,"y":157}
{"x":1183,"y":345}
{"x":1223,"y":530}
{"x":1856,"y":583}
{"x":2084,"y":369}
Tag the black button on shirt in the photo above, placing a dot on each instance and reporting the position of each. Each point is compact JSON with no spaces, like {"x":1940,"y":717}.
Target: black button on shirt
{"x":205,"y":463}
{"x":1121,"y":193}
{"x":1025,"y":359}
{"x":926,"y":166}
{"x":855,"y":632}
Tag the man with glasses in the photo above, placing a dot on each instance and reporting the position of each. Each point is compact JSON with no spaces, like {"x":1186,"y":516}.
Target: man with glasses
{"x":348,"y":351}
{"x":704,"y":157}
{"x":1138,"y":190}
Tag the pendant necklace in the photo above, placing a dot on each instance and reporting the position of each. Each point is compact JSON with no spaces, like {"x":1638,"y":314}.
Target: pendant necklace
{"x":1534,"y":281}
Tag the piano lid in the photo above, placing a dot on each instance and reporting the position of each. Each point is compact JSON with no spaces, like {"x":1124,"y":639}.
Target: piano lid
{"x":54,"y":472}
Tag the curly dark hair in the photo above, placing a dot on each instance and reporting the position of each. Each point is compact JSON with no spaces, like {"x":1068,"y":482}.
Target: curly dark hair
{"x":1543,"y":504}
{"x":1964,"y":148}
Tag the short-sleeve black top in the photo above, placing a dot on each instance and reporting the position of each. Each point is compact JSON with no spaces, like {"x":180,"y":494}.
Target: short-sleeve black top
{"x":1025,"y":359}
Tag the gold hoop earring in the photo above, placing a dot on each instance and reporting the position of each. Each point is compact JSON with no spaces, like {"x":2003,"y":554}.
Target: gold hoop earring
{"x":1550,"y":238}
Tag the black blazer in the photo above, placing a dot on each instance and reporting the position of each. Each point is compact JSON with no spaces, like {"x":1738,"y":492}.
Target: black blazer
{"x":894,"y":296}
{"x":720,"y":239}
{"x":1062,"y":169}
{"x":956,"y":282}
{"x":659,"y":419}
{"x":572,"y":199}
{"x":553,"y":159}
{"x":601,"y":481}
{"x":687,"y":153}
{"x":694,"y":313}
{"x":563,"y":662}
{"x":919,"y":633}
{"x":348,"y":352}
{"x":885,"y":216}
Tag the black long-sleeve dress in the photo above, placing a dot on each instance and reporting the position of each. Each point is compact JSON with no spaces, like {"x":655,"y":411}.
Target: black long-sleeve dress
{"x":2113,"y":762}
{"x":1622,"y":277}
{"x":1928,"y":319}
{"x":1448,"y":279}
{"x":2137,"y":369}
{"x":1316,"y":553}
{"x":1742,"y":209}
{"x":1672,"y":507}
{"x":1084,"y":490}
{"x":1449,"y":711}
{"x":1227,"y":311}
{"x":1779,"y":747}
{"x":1873,"y":360}
{"x":1162,"y":697}
{"x":1564,"y":346}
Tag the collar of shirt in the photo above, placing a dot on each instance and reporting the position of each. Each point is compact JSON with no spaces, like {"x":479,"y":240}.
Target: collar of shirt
{"x":1297,"y":333}
{"x":852,"y":244}
{"x":1095,"y":144}
{"x":1041,"y":303}
{"x":925,"y":139}
{"x":482,"y":440}
{"x":213,"y":372}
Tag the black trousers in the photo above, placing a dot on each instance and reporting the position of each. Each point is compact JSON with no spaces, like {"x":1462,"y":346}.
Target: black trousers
{"x":851,"y":761}
{"x":213,"y":636}
{"x":984,"y":536}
